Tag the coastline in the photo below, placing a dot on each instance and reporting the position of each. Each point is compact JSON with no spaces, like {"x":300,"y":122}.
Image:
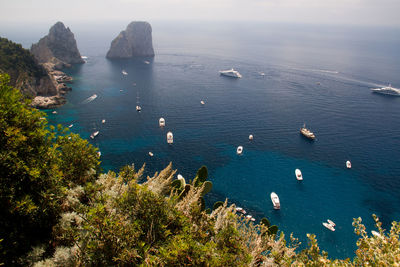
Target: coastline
{"x":60,"y":81}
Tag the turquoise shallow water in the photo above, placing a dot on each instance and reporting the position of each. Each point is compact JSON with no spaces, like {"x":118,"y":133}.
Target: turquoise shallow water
{"x":321,"y":76}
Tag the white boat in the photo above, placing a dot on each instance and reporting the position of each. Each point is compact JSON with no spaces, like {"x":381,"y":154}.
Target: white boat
{"x":70,"y":126}
{"x":90,"y":99}
{"x":241,"y":210}
{"x":124,"y":72}
{"x":387,"y":90}
{"x":251,"y":137}
{"x":275,"y":201}
{"x":250,"y":218}
{"x":239,"y":150}
{"x":170,"y":138}
{"x":54,"y":112}
{"x":151,"y":154}
{"x":331,"y":223}
{"x":299,"y":175}
{"x":329,"y":226}
{"x":202,"y":102}
{"x":161,"y":122}
{"x":146,"y":62}
{"x":103,"y":121}
{"x":376,"y":234}
{"x":84,"y":57}
{"x":99,"y":154}
{"x":348,"y":164}
{"x":307,"y":133}
{"x":180,"y":178}
{"x":138,"y":107}
{"x":93,"y":135}
{"x":230,"y":73}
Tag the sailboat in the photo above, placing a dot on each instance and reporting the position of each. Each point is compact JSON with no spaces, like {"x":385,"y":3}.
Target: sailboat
{"x":138,"y":108}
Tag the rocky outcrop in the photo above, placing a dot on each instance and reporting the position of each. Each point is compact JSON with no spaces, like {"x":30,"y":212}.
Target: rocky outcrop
{"x":58,"y":48}
{"x":136,"y":40}
{"x":40,"y":82}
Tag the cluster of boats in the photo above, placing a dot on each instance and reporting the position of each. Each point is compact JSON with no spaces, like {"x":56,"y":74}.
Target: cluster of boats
{"x":330,"y":225}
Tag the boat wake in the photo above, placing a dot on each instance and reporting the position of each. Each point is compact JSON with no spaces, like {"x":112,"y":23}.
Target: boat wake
{"x":89,"y":99}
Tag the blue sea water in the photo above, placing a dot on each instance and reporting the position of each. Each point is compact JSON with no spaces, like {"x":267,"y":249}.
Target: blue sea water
{"x":319,"y":75}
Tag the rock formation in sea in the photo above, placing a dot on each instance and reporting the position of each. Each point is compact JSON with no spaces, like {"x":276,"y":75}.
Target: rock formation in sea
{"x":136,"y":40}
{"x":58,"y":48}
{"x":39,"y":82}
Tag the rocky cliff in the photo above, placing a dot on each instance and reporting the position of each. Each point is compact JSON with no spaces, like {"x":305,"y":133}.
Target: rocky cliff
{"x":58,"y":47}
{"x":136,"y":40}
{"x":34,"y":80}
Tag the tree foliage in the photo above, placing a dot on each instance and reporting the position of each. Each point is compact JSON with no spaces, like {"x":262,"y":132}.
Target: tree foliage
{"x":35,"y":169}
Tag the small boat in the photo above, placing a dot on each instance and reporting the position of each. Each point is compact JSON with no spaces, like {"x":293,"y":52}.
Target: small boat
{"x":161,"y":122}
{"x":180,"y":178}
{"x":151,"y":154}
{"x":262,"y":74}
{"x":70,"y":126}
{"x":121,"y":90}
{"x":307,"y":133}
{"x":348,"y":164}
{"x":202,"y":102}
{"x":241,"y":210}
{"x":250,"y":218}
{"x":90,"y":99}
{"x":138,"y":107}
{"x":388,"y":90}
{"x":230,"y":73}
{"x":146,"y":62}
{"x":124,"y":72}
{"x":331,"y":223}
{"x":239,"y":150}
{"x":329,"y":226}
{"x":54,"y":112}
{"x":84,"y":57}
{"x":170,"y":138}
{"x":103,"y":121}
{"x":377,"y":234}
{"x":251,"y":137}
{"x":99,"y":154}
{"x":299,"y":175}
{"x":93,"y":135}
{"x":275,"y":201}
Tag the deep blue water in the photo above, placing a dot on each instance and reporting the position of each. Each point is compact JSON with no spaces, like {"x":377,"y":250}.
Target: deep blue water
{"x":319,"y":75}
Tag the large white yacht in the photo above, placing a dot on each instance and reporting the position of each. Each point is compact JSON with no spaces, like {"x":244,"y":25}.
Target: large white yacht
{"x":230,"y":73}
{"x":275,"y":201}
{"x":387,"y":90}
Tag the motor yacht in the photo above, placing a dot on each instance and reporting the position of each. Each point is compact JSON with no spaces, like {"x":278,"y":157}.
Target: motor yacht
{"x":239,"y":150}
{"x":307,"y":133}
{"x":299,"y":175}
{"x":161,"y":122}
{"x":275,"y":201}
{"x":230,"y":73}
{"x":348,"y":164}
{"x":387,"y":90}
{"x":170,"y":138}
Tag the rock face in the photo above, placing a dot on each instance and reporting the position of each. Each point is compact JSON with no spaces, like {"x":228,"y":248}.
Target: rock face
{"x":136,"y":40}
{"x":34,"y":80}
{"x":58,"y":47}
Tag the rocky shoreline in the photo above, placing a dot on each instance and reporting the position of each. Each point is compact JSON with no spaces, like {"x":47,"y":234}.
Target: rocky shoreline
{"x":60,"y":80}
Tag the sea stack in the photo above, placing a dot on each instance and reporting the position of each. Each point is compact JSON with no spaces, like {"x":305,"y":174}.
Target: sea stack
{"x":57,"y":48}
{"x":135,"y":41}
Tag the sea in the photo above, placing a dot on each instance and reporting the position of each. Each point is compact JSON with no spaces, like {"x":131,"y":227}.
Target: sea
{"x":320,"y":75}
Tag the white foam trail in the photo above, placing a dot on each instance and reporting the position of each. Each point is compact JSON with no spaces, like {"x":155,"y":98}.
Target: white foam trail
{"x":89,"y":99}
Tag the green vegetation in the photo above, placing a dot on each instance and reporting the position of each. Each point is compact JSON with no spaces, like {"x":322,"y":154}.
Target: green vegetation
{"x":17,"y":61}
{"x":57,"y":210}
{"x":37,"y":164}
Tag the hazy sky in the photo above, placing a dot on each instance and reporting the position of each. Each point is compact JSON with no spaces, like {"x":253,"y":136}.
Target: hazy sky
{"x":359,"y":12}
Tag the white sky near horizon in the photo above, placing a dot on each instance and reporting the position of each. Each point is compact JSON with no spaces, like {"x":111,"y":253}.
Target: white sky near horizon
{"x":334,"y":12}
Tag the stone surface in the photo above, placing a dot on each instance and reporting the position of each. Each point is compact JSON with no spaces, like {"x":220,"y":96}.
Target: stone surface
{"x":136,"y":40}
{"x":58,"y":48}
